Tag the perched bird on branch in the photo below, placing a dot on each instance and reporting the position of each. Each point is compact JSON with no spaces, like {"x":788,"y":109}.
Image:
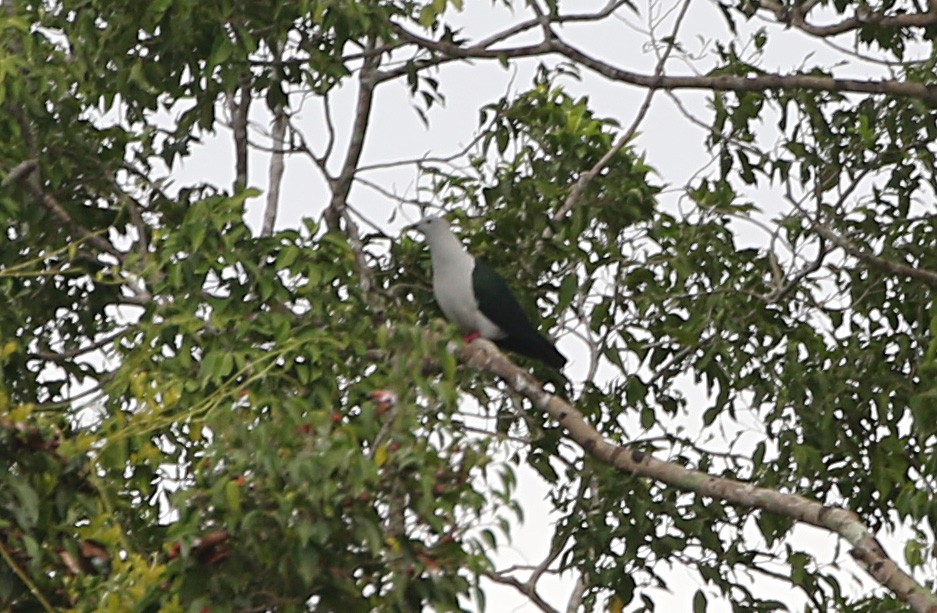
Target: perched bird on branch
{"x":476,"y":298}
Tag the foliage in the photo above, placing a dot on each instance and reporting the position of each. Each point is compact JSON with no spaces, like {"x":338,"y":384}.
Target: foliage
{"x":187,"y":418}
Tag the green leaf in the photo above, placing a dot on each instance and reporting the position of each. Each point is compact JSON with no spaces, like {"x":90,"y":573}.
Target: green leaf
{"x":27,"y":509}
{"x":567,"y":291}
{"x":699,"y":602}
{"x":232,"y":493}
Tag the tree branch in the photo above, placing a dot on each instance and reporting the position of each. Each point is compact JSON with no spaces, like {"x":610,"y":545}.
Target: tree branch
{"x":484,"y":355}
{"x":25,"y":578}
{"x":240,"y":110}
{"x":498,"y":37}
{"x":757,"y":83}
{"x":22,"y":173}
{"x":46,"y":353}
{"x":724,"y":82}
{"x":340,"y":186}
{"x":873,"y":261}
{"x":579,"y":189}
{"x":19,"y":172}
{"x":278,"y":136}
{"x":135,"y":210}
{"x":522,"y":588}
{"x":796,"y":16}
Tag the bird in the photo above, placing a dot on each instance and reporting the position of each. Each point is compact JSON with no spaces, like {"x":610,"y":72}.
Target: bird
{"x":477,"y":299}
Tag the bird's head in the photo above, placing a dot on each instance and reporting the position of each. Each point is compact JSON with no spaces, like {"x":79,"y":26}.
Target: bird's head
{"x":432,"y":227}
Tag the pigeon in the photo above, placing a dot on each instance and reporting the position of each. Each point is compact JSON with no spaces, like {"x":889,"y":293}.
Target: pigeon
{"x":476,"y":298}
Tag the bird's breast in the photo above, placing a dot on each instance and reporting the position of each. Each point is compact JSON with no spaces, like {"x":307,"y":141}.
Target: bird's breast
{"x":457,"y":301}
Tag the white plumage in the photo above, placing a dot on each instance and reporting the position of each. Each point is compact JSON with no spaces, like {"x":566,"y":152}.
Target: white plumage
{"x":452,"y":279}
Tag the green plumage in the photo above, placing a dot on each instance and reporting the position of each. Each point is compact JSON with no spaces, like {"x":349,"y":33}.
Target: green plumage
{"x":497,"y":303}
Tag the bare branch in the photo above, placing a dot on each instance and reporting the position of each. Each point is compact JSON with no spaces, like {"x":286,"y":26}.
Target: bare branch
{"x":278,"y":136}
{"x":521,"y":587}
{"x":796,"y":16}
{"x":579,"y":189}
{"x":337,"y":211}
{"x":484,"y":355}
{"x":756,"y":83}
{"x":919,"y":274}
{"x":21,"y":170}
{"x":575,"y":596}
{"x":341,"y":185}
{"x":240,"y":109}
{"x":330,"y":129}
{"x":498,"y":37}
{"x":753,"y":83}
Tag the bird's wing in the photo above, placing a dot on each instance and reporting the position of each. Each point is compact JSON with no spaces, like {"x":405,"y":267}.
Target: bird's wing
{"x":497,"y":303}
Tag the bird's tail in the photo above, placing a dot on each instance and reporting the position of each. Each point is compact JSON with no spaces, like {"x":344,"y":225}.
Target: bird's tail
{"x":536,"y":347}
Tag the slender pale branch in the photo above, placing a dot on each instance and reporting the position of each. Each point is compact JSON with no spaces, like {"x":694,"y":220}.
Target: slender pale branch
{"x":337,"y":211}
{"x":280,"y":123}
{"x":341,"y":185}
{"x":575,"y":596}
{"x":240,"y":109}
{"x":575,"y":195}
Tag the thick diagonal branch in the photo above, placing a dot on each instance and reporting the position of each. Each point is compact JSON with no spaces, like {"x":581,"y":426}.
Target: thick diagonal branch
{"x":483,"y":355}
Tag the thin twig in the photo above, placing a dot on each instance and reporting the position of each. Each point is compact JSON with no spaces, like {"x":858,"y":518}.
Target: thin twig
{"x":579,"y":189}
{"x":26,"y":579}
{"x":918,"y":274}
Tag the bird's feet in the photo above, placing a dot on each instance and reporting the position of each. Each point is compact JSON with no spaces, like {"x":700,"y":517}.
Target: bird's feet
{"x":468,"y":338}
